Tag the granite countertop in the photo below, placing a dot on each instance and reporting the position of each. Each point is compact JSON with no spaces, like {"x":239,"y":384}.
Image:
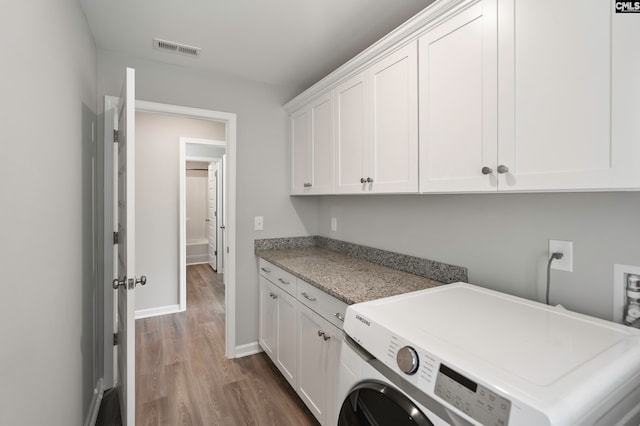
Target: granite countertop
{"x":347,"y":278}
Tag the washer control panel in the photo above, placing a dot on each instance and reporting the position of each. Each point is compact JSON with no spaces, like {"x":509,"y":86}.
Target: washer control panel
{"x":475,"y":400}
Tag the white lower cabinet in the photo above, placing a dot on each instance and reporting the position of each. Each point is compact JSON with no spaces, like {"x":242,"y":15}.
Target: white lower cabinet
{"x":319,"y":349}
{"x":302,"y":336}
{"x":278,"y":328}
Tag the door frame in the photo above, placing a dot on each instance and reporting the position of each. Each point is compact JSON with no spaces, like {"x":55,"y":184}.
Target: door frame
{"x":182,"y":226}
{"x":230,"y":119}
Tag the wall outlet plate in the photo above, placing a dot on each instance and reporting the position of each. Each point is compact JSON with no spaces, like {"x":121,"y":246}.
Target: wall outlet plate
{"x":620,"y":274}
{"x":258,"y":224}
{"x":566,"y":248}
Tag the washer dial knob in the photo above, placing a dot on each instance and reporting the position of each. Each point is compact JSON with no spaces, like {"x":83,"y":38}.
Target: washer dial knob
{"x":407,"y":359}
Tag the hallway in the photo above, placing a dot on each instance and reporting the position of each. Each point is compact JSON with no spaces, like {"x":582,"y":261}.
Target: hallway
{"x":183,"y":377}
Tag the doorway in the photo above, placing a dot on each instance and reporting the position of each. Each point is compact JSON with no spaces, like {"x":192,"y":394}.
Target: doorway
{"x":229,"y":120}
{"x":202,"y":187}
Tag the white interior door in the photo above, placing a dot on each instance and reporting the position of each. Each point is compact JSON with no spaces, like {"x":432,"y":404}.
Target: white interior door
{"x":212,"y":215}
{"x":222,"y":207}
{"x":126,"y":281}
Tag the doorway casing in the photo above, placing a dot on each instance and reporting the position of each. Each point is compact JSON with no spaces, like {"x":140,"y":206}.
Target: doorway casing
{"x":230,"y":121}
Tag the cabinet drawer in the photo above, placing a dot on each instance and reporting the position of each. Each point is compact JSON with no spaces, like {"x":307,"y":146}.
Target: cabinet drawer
{"x":327,"y":306}
{"x":281,"y":278}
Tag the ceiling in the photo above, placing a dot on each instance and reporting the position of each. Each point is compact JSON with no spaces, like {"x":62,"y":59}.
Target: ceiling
{"x":291,"y":43}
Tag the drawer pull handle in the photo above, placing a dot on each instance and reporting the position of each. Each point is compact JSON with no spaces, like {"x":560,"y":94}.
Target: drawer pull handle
{"x":320,"y":333}
{"x":267,"y":270}
{"x":306,"y":296}
{"x":273,"y":296}
{"x":283,"y":281}
{"x":340,"y":317}
{"x":325,"y":337}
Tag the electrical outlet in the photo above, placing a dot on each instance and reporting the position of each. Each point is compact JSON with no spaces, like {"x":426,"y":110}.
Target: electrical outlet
{"x":620,"y":276}
{"x":334,"y":224}
{"x":566,"y":248}
{"x":258,"y":223}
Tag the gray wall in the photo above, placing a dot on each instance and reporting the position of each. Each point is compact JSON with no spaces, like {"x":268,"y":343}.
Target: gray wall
{"x":503,"y":238}
{"x":157,"y":202}
{"x":262,"y":157}
{"x":47,"y":256}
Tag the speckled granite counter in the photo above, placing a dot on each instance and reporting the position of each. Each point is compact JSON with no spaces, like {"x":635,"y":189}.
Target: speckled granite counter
{"x":345,"y":276}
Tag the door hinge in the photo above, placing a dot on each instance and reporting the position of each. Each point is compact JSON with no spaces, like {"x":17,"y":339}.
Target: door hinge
{"x":115,"y":238}
{"x":115,"y":135}
{"x":115,"y":339}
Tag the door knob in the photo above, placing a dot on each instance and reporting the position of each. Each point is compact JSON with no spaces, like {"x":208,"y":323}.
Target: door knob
{"x":119,"y":283}
{"x":142,"y":280}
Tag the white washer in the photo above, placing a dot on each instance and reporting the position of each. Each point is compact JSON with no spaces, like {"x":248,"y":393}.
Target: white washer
{"x":469,"y":355}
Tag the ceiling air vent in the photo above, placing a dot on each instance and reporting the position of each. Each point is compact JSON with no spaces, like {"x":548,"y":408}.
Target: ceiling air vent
{"x":181,"y":49}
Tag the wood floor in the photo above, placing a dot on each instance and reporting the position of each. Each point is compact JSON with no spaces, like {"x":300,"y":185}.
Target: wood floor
{"x":183,"y":377}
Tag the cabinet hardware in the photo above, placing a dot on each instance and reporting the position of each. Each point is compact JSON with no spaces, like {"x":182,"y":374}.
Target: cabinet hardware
{"x":340,"y":317}
{"x":502,"y":169}
{"x":362,"y":180}
{"x":307,"y":185}
{"x":142,"y":280}
{"x":273,"y":296}
{"x":119,"y":283}
{"x":487,"y":170}
{"x":283,"y":281}
{"x":369,"y":180}
{"x":306,"y":296}
{"x":320,"y":333}
{"x":267,"y":270}
{"x":325,"y":337}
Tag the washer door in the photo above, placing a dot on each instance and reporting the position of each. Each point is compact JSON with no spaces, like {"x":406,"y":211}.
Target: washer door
{"x":374,"y":403}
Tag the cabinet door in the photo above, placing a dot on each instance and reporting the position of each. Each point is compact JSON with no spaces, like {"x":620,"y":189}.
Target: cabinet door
{"x":351,"y":135}
{"x":286,"y":332}
{"x":312,"y":361}
{"x":458,"y":102}
{"x":268,"y":307}
{"x":333,"y":369}
{"x":322,"y":173}
{"x":393,"y":108}
{"x":569,"y":98}
{"x":300,"y":151}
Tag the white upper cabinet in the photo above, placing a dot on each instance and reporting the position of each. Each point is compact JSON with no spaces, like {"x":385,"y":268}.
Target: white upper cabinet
{"x":458,"y":101}
{"x":352,"y":150}
{"x":393,"y":110}
{"x":377,"y":126}
{"x":300,"y":122}
{"x":568,"y":117}
{"x":312,"y":147}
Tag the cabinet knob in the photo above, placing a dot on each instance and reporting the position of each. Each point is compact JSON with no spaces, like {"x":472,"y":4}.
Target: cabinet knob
{"x":320,"y":333}
{"x":340,"y":317}
{"x":369,"y":180}
{"x":502,"y":169}
{"x":307,"y":185}
{"x":487,"y":170}
{"x":362,"y":180}
{"x":325,"y":337}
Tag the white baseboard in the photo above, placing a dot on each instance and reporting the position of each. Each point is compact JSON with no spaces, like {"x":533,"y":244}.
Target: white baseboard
{"x":94,"y":408}
{"x":248,"y":349}
{"x":197,"y":258}
{"x":154,"y":312}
